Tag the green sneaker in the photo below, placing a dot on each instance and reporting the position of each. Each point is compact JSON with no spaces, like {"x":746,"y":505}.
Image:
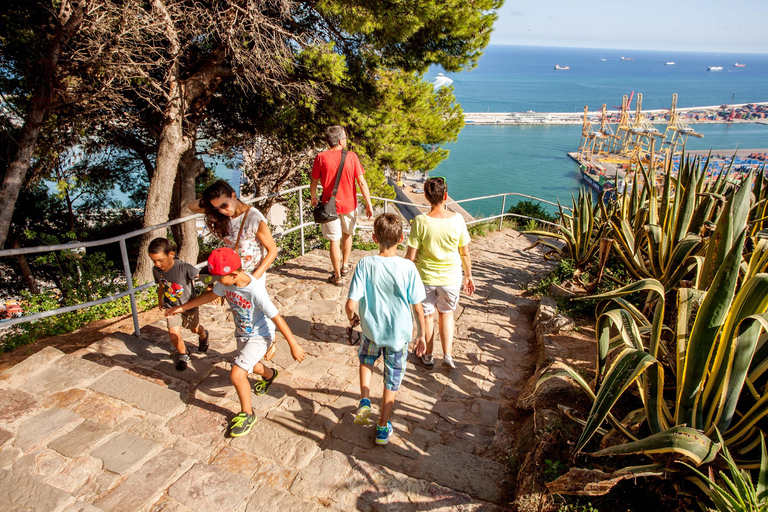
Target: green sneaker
{"x":241,"y":424}
{"x":261,"y":387}
{"x":363,"y":412}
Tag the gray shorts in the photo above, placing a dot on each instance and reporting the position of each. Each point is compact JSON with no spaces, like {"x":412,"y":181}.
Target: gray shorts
{"x":443,"y":298}
{"x":187,"y":319}
{"x":252,"y":351}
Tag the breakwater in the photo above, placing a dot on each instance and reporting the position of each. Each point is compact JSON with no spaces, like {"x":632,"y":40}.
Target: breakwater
{"x":736,"y":113}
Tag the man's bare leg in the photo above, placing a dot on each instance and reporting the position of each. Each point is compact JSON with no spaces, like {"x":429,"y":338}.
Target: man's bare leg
{"x":346,"y":249}
{"x":336,"y":258}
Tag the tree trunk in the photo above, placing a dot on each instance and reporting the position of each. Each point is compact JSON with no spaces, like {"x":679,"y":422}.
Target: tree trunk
{"x":26,"y":272}
{"x":171,"y":146}
{"x":190,"y":167}
{"x":40,"y":103}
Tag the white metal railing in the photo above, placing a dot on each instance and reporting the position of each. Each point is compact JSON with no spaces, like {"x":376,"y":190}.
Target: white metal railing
{"x":132,"y":291}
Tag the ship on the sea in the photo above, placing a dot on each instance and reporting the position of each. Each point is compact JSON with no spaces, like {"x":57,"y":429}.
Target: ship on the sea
{"x":715,"y":68}
{"x":737,"y":65}
{"x":670,"y":63}
{"x":561,"y":68}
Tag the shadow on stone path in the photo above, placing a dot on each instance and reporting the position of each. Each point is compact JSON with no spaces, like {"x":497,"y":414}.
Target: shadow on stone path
{"x":115,"y":427}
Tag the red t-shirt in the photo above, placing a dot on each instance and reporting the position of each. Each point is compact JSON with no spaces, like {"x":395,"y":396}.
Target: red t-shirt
{"x":324,"y":169}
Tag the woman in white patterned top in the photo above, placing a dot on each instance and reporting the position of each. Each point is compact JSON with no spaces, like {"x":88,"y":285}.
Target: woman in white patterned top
{"x":239,"y":226}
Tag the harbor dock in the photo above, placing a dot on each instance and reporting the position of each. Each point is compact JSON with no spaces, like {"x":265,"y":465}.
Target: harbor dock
{"x":412,"y":191}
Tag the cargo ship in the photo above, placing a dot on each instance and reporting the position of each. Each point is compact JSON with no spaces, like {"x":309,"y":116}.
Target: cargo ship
{"x":561,"y":68}
{"x":737,"y":65}
{"x":715,"y":68}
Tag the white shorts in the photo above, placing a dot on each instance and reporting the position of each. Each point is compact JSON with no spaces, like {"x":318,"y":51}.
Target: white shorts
{"x":444,"y":298}
{"x":344,"y":224}
{"x":252,"y":350}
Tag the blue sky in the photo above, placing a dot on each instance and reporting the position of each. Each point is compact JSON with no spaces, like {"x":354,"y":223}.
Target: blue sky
{"x":682,"y":25}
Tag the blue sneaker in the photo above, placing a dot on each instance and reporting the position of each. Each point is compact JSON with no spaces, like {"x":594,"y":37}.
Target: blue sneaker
{"x":363,"y":412}
{"x":383,"y":433}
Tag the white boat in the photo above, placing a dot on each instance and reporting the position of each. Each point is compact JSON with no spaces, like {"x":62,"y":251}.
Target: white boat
{"x":602,"y":60}
{"x":626,"y":58}
{"x":441,"y":81}
{"x":715,"y":68}
{"x":561,"y":68}
{"x":737,"y":65}
{"x":670,"y":63}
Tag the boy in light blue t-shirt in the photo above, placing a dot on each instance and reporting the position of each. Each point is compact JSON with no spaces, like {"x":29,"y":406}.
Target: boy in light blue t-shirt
{"x":386,"y":286}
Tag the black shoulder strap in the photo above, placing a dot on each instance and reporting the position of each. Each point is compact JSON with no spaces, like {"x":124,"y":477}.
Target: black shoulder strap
{"x":338,"y":173}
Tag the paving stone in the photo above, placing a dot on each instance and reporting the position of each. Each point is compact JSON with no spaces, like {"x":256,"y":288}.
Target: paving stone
{"x":168,"y":504}
{"x":147,"y":426}
{"x":199,"y":367}
{"x":197,"y":425}
{"x":453,"y":412}
{"x":5,"y":436}
{"x":216,"y":385}
{"x":75,"y":474}
{"x":101,"y":482}
{"x":209,"y":489}
{"x":269,"y":498}
{"x":20,"y":372}
{"x":292,"y":413}
{"x":273,"y":474}
{"x":140,"y":393}
{"x":319,"y":307}
{"x":9,"y":455}
{"x":80,"y":506}
{"x":236,"y":461}
{"x":485,"y":412}
{"x":81,"y":439}
{"x":125,"y":452}
{"x":18,"y":492}
{"x":312,"y":369}
{"x":44,"y":426}
{"x":321,"y":424}
{"x":146,"y":483}
{"x":14,"y":404}
{"x":274,"y":442}
{"x":424,"y":439}
{"x":322,"y":475}
{"x":129,"y":349}
{"x":65,"y":372}
{"x":40,"y":464}
{"x":478,"y":477}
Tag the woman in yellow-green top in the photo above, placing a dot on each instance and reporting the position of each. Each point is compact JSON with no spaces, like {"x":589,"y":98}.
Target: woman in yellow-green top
{"x":439,"y":246}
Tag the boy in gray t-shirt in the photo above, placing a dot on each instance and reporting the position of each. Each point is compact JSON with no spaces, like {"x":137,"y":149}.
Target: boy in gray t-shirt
{"x":255,"y":319}
{"x":175,"y":279}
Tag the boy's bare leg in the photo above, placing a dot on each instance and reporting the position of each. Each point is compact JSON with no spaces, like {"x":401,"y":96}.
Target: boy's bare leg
{"x":366,"y":370}
{"x":429,"y":332}
{"x":261,"y":370}
{"x":176,"y":340}
{"x":387,"y":404}
{"x":447,"y":326}
{"x":200,"y":331}
{"x":239,"y":379}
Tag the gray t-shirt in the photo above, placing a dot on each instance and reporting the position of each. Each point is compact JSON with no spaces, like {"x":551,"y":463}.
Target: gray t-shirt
{"x":177,"y":284}
{"x":251,"y":308}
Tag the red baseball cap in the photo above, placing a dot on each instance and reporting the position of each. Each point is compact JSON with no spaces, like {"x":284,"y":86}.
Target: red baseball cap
{"x":221,"y":262}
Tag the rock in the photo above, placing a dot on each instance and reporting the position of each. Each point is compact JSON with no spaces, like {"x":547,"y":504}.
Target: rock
{"x":209,"y":489}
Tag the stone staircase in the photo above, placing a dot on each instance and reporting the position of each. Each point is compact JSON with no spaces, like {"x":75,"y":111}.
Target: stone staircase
{"x":115,"y":427}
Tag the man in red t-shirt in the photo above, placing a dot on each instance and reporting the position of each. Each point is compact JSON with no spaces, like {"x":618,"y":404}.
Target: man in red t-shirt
{"x":324,"y":172}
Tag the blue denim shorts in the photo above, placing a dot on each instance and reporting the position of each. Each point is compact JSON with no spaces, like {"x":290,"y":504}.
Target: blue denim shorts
{"x":394,"y":361}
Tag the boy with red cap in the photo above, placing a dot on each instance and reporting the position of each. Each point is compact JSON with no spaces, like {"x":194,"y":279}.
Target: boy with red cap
{"x":255,"y":319}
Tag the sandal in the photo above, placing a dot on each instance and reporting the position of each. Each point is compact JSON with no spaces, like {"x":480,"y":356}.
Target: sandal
{"x":337,"y":281}
{"x":344,"y":270}
{"x":202,"y":345}
{"x":351,"y":340}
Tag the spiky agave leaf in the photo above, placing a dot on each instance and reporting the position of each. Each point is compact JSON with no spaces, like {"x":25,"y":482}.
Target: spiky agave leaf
{"x":688,"y":442}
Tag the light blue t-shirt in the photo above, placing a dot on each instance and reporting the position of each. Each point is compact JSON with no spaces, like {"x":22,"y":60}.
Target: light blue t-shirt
{"x":251,"y":308}
{"x":386,"y":287}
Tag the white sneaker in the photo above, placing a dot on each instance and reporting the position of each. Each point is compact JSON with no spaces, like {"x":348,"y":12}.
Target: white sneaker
{"x":428,"y":360}
{"x":448,"y":361}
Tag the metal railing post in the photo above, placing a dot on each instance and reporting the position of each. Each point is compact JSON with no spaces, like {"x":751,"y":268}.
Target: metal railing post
{"x":129,"y":280}
{"x":503,"y":204}
{"x":301,"y":218}
{"x":385,"y":205}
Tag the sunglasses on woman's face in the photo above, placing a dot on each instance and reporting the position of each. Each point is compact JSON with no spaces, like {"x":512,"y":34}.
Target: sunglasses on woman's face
{"x":222,"y":206}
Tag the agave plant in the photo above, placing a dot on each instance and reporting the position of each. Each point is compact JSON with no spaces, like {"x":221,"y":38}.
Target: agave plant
{"x":659,"y":234}
{"x":713,"y":374}
{"x":581,"y":230}
{"x":737,"y":493}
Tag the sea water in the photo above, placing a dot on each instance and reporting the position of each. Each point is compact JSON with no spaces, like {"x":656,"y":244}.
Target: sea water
{"x":532,"y":160}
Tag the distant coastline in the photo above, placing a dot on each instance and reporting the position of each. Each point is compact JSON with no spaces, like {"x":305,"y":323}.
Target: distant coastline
{"x":743,"y":113}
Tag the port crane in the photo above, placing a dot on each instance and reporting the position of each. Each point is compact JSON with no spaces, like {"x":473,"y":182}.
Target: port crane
{"x":677,"y":131}
{"x":643,"y":135}
{"x":603,"y":135}
{"x":588,"y":136}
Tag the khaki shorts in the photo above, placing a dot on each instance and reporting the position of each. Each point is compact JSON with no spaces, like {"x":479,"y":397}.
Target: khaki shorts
{"x":187,"y":319}
{"x":443,"y":298}
{"x":344,"y":224}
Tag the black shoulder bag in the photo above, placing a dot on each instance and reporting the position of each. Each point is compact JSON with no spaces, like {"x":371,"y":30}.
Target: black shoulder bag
{"x":326,"y":212}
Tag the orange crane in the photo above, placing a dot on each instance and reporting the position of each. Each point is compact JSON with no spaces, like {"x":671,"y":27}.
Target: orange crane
{"x":677,"y":131}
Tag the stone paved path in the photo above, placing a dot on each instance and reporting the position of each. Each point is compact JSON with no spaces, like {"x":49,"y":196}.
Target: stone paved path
{"x":114,"y":427}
